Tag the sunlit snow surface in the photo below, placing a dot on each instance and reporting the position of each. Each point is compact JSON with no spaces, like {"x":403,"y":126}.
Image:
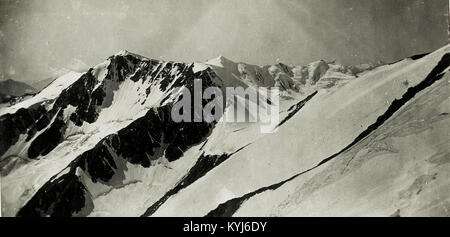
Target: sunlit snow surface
{"x":401,"y":168}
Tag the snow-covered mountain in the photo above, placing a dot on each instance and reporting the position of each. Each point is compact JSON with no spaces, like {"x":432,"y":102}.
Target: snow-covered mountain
{"x":102,"y":142}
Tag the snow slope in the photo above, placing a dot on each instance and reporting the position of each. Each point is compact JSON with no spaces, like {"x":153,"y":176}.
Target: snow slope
{"x":102,"y":143}
{"x":382,"y":175}
{"x":325,"y":125}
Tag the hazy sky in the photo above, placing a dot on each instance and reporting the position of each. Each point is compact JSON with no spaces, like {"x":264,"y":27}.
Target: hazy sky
{"x":39,"y":37}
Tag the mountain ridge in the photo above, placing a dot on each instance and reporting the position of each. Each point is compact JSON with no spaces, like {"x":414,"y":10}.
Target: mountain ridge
{"x":95,"y":139}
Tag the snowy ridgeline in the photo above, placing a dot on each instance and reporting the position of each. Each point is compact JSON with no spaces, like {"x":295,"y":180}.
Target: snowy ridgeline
{"x":362,"y":140}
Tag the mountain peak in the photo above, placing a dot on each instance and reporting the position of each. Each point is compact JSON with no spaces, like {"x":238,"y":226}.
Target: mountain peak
{"x":122,"y":52}
{"x":125,"y":52}
{"x":221,"y":57}
{"x":220,"y":61}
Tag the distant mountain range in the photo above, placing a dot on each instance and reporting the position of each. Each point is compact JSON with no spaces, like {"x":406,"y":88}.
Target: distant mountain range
{"x":10,"y":89}
{"x":15,"y":88}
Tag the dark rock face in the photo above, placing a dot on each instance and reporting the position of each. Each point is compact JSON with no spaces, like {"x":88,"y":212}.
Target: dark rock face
{"x":145,"y":139}
{"x":419,"y":56}
{"x":87,"y":95}
{"x":12,"y":125}
{"x":295,"y":108}
{"x":286,"y":69}
{"x":84,"y":97}
{"x":49,"y":139}
{"x":35,"y":118}
{"x":59,"y":197}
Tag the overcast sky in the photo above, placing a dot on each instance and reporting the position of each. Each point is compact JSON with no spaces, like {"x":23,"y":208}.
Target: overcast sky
{"x":40,"y":37}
